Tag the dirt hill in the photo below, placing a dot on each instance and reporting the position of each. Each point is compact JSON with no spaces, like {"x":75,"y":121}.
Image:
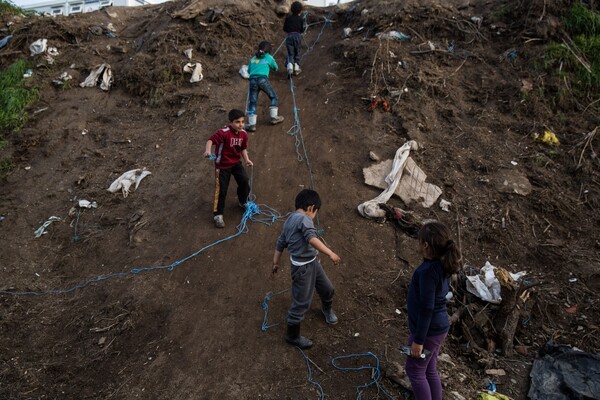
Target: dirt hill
{"x":125,"y":319}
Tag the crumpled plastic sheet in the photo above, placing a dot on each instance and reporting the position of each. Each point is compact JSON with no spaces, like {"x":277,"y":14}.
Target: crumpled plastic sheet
{"x":485,"y":285}
{"x":42,"y":229}
{"x":244,"y":72}
{"x":129,"y":178}
{"x":562,"y":372}
{"x":38,"y":47}
{"x":195,"y":69}
{"x":94,"y":76}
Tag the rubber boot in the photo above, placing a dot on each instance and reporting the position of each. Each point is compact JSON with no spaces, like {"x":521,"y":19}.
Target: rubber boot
{"x":297,"y":69}
{"x":251,"y":125}
{"x":293,"y":337}
{"x":275,"y":119}
{"x":290,"y":68}
{"x":330,"y":316}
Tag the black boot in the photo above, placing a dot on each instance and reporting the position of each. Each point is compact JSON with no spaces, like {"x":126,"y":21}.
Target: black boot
{"x":293,"y":337}
{"x":330,"y":316}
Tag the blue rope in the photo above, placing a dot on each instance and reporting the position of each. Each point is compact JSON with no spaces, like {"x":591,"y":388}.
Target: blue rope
{"x":310,"y":379}
{"x":265,"y":307}
{"x":376,"y":373}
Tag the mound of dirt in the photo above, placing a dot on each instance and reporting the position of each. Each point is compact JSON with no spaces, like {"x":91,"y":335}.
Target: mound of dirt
{"x":142,"y":297}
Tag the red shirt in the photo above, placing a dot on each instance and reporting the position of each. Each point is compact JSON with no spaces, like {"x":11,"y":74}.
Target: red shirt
{"x":229,"y":146}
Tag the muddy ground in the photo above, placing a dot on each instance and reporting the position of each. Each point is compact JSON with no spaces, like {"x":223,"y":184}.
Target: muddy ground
{"x":194,"y":330}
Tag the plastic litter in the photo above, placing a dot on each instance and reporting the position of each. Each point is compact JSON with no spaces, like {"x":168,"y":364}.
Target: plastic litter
{"x":28,"y":73}
{"x":38,"y":47}
{"x":125,"y":181}
{"x":188,"y":53}
{"x":347,"y":32}
{"x":547,"y":137}
{"x":444,"y":204}
{"x":87,"y":204}
{"x":510,"y":55}
{"x":486,"y":286}
{"x":244,"y":72}
{"x":394,"y":35}
{"x":101,"y":73}
{"x":195,"y":69}
{"x":42,"y":229}
{"x":4,"y":41}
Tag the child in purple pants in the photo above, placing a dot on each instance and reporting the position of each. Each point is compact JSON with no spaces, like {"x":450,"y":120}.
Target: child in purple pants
{"x":427,"y":314}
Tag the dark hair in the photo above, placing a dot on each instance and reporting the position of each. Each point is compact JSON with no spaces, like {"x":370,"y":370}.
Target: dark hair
{"x":264,"y":47}
{"x":441,"y":247}
{"x":296,"y":7}
{"x":235,"y":114}
{"x":307,"y":198}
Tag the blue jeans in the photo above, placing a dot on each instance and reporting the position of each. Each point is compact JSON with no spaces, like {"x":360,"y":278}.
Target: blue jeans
{"x":423,"y":374}
{"x":256,"y":85}
{"x":292,"y":44}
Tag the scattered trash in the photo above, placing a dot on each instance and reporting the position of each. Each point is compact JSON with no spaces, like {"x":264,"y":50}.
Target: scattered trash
{"x":195,"y":69}
{"x":431,"y":45}
{"x":492,"y":396}
{"x":38,"y":47}
{"x":244,"y":72}
{"x":188,"y":53}
{"x":451,"y":46}
{"x":62,"y":79}
{"x":486,"y":286}
{"x":347,"y":32}
{"x":101,"y":73}
{"x":111,"y":27}
{"x":496,"y":372}
{"x":394,"y":35}
{"x":444,"y":204}
{"x":398,"y":311}
{"x":2,"y":218}
{"x":562,"y":372}
{"x":373,"y":156}
{"x":571,"y":310}
{"x":42,"y":229}
{"x":28,"y":73}
{"x":125,"y":181}
{"x":388,"y":175}
{"x":378,"y":102}
{"x":514,"y":163}
{"x":4,"y":41}
{"x":53,"y":51}
{"x":87,"y":204}
{"x":477,"y":20}
{"x":573,"y":280}
{"x":356,"y":334}
{"x":547,"y":137}
{"x":509,"y":55}
{"x":110,"y":35}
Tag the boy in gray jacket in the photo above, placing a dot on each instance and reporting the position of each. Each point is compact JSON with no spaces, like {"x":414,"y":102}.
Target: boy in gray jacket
{"x":299,"y":236}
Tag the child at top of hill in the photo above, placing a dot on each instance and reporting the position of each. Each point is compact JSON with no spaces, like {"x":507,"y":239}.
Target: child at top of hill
{"x":258,"y":68}
{"x":427,"y":315}
{"x":299,"y":236}
{"x":294,"y":26}
{"x":231,"y":144}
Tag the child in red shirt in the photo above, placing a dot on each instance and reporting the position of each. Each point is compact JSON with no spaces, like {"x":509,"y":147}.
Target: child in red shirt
{"x":231,"y":144}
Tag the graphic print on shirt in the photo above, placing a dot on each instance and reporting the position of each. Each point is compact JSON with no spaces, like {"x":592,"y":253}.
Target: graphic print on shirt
{"x":236,"y":141}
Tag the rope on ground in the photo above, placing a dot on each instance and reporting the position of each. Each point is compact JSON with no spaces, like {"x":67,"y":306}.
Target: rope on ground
{"x":310,"y":379}
{"x":375,"y":373}
{"x":254,"y":212}
{"x":265,"y":307}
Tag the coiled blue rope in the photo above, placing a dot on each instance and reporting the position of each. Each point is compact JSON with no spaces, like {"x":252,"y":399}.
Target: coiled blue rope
{"x":375,"y":373}
{"x":310,"y":378}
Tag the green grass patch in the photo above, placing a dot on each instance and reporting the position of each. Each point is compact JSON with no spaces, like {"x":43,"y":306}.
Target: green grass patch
{"x":578,"y":62}
{"x":14,"y":98}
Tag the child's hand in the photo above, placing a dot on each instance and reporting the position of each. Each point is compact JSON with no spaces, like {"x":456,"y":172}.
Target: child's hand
{"x":207,"y":154}
{"x":274,"y":270}
{"x":249,"y":163}
{"x":416,"y":350}
{"x":335,"y":258}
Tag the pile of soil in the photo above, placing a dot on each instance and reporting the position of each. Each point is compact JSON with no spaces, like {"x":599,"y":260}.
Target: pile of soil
{"x":127,"y":320}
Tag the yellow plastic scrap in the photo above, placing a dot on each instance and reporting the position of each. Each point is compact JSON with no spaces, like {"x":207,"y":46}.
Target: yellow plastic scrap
{"x":548,"y":138}
{"x":492,"y":396}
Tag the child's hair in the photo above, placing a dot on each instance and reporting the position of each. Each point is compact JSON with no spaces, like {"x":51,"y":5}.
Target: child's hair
{"x":235,"y":114}
{"x":264,"y":47}
{"x":441,"y":247}
{"x":307,"y":198}
{"x":296,"y":8}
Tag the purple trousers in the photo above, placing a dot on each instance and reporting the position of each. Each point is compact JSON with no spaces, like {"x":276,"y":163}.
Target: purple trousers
{"x":423,"y":374}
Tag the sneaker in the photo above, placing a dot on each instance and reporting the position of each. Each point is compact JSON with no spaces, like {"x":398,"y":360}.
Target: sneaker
{"x":297,"y":69}
{"x":250,"y":128}
{"x":219,"y":222}
{"x":330,"y":316}
{"x":290,"y":68}
{"x":278,"y":119}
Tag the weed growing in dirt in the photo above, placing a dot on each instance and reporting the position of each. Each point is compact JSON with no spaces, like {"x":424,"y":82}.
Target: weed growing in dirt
{"x":6,"y":165}
{"x":9,"y":8}
{"x":14,"y":97}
